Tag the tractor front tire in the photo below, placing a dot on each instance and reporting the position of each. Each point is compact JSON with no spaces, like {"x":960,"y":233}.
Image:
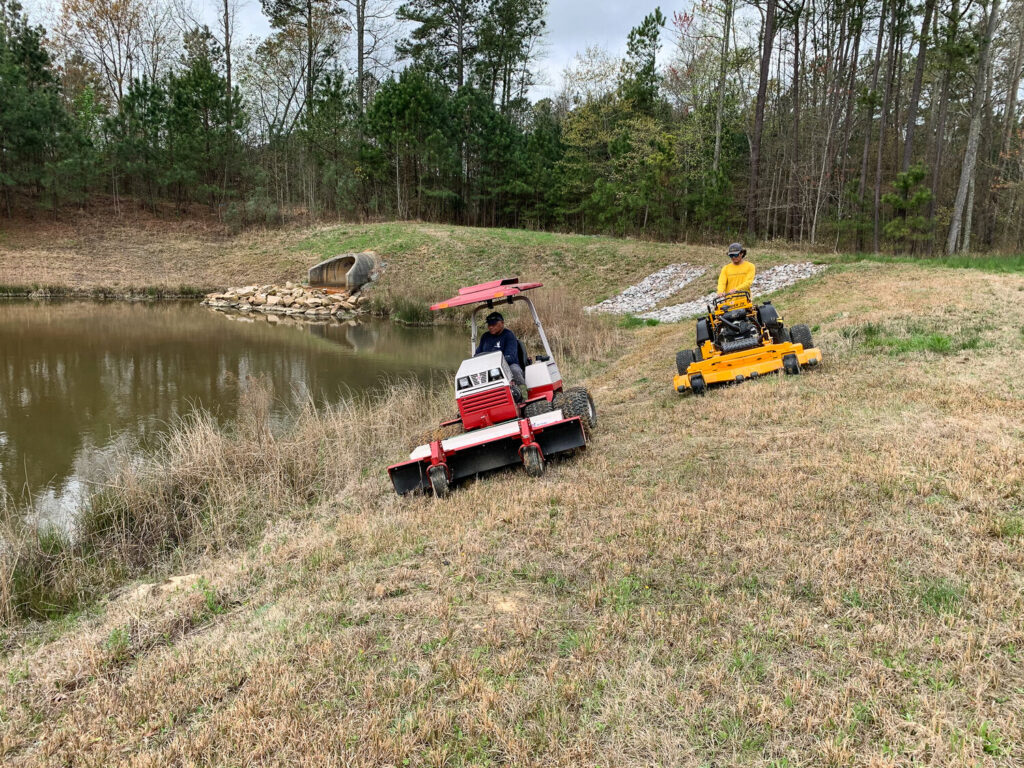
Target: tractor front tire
{"x":438,"y":477}
{"x":791,"y":365}
{"x":578,"y":402}
{"x":697,"y":385}
{"x":533,"y":461}
{"x":684,"y":359}
{"x":801,"y":334}
{"x":536,"y":408}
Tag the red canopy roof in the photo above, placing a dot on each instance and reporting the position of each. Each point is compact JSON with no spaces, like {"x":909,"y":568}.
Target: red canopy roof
{"x":476,"y":294}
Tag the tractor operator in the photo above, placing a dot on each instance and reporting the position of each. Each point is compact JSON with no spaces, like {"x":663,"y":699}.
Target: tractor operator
{"x":737,"y":276}
{"x":500,"y":339}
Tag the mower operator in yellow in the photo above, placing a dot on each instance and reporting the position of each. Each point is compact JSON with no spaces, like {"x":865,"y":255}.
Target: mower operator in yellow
{"x":739,"y":275}
{"x":739,"y":340}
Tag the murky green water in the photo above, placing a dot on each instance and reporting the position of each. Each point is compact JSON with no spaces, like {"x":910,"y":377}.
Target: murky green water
{"x":78,"y":379}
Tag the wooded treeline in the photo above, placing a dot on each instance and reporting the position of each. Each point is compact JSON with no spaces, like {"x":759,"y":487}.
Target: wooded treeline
{"x":849,"y":124}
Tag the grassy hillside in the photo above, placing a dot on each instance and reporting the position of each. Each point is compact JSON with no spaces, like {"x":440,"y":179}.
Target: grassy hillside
{"x":98,"y":252}
{"x":815,"y":570}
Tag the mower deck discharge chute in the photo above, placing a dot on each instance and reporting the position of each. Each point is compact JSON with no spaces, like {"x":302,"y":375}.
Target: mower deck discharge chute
{"x":740,"y":340}
{"x":496,"y":427}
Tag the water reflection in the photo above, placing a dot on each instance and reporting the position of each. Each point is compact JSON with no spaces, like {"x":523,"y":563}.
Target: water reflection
{"x":77,"y":377}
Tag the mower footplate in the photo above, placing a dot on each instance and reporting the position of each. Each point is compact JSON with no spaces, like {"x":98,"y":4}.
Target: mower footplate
{"x":748,"y":364}
{"x":482,"y":450}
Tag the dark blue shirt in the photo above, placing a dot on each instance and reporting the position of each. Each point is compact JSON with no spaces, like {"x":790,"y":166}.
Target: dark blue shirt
{"x":504,"y":342}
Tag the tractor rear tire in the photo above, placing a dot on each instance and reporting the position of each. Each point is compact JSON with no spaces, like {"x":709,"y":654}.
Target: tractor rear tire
{"x":558,"y":400}
{"x":697,"y":385}
{"x":578,"y":402}
{"x":533,"y":461}
{"x":438,"y":477}
{"x":536,"y":408}
{"x":801,"y":334}
{"x":791,"y":365}
{"x":698,"y":355}
{"x":684,"y":359}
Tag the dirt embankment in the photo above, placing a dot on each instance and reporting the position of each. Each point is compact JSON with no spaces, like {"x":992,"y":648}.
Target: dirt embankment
{"x":814,"y":570}
{"x":138,"y":254}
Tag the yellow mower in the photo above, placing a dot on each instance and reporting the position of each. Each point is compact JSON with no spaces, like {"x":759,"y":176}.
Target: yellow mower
{"x":740,"y":340}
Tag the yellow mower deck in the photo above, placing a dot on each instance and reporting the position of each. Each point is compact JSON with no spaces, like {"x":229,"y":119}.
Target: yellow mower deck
{"x":737,"y":366}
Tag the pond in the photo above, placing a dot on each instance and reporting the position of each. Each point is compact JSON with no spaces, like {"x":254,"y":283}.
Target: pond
{"x":80,"y":379}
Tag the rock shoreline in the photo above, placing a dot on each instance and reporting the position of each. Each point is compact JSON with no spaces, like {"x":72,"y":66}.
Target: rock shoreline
{"x":290,"y":299}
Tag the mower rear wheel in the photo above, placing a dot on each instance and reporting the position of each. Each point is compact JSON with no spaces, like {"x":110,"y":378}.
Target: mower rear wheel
{"x":578,"y":402}
{"x":438,"y":477}
{"x":533,"y":461}
{"x":697,"y":385}
{"x":536,"y":408}
{"x":801,"y":334}
{"x":684,"y":359}
{"x":791,"y":365}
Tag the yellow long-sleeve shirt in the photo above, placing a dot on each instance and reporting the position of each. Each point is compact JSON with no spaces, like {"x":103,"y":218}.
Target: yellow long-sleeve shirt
{"x":736,"y":277}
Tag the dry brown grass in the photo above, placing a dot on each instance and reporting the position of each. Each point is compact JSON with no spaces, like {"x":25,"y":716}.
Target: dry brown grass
{"x":821,"y":570}
{"x":138,"y":250}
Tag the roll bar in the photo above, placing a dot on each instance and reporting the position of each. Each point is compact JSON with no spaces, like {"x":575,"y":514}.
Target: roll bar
{"x":509,"y":300}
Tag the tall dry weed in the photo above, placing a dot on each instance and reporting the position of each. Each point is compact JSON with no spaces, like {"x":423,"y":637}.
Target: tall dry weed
{"x":207,"y":488}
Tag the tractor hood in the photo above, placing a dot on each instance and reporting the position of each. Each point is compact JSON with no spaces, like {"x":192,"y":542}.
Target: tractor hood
{"x":482,"y":372}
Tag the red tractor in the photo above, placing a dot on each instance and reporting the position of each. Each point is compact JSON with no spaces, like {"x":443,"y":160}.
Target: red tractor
{"x":496,"y":426}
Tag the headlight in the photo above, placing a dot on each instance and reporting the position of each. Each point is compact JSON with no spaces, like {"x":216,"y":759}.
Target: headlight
{"x":494,"y":374}
{"x":463,"y":382}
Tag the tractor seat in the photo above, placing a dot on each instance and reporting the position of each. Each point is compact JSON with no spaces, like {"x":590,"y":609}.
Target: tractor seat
{"x":524,"y":359}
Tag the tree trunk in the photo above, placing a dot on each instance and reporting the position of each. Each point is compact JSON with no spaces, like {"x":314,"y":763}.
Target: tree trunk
{"x":229,"y":103}
{"x":915,"y":91}
{"x":721,"y":87}
{"x":762,"y":91}
{"x":360,"y":9}
{"x":967,"y":172}
{"x":869,"y":128}
{"x":791,"y":192}
{"x":884,"y":121}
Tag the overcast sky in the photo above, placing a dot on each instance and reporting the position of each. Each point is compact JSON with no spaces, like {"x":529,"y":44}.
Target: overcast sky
{"x":572,"y":25}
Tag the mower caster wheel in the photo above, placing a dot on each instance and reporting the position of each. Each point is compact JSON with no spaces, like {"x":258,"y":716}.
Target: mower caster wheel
{"x":684,"y":359}
{"x":536,"y":408}
{"x":578,"y":402}
{"x":791,"y":365}
{"x":697,"y":385}
{"x":438,"y":481}
{"x":533,"y":461}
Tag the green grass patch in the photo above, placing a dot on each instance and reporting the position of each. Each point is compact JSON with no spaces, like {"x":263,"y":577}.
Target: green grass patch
{"x":1002,"y":263}
{"x":914,"y":339}
{"x":632,"y":321}
{"x":1009,"y":526}
{"x":410,"y":311}
{"x":9,"y":291}
{"x":941,"y":595}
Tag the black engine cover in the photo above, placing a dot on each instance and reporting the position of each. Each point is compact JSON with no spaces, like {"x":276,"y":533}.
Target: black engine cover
{"x":738,"y":345}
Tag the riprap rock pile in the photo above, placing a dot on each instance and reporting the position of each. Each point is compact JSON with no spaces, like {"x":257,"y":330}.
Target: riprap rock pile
{"x":289,"y":299}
